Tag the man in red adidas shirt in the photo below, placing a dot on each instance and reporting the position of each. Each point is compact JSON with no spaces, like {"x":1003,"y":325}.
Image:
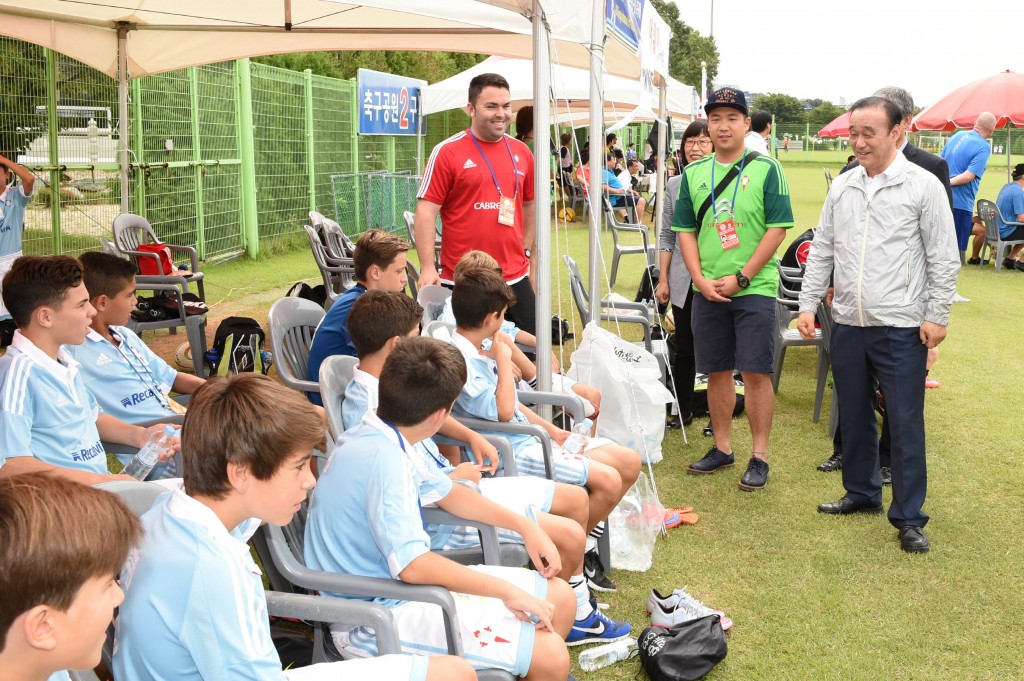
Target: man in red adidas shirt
{"x":481,"y":183}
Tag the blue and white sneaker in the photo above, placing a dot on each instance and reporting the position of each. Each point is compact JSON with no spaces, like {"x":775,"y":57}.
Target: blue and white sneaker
{"x":597,"y":628}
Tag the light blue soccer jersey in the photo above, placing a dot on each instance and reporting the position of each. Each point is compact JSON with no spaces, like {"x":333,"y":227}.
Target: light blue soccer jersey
{"x":47,"y":412}
{"x":364,"y":518}
{"x":12,"y":223}
{"x":360,"y":397}
{"x":448,"y":317}
{"x":129,"y":382}
{"x":477,"y":398}
{"x":195,"y":607}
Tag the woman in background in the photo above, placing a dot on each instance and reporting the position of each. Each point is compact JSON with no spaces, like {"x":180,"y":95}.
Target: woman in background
{"x":674,"y":282}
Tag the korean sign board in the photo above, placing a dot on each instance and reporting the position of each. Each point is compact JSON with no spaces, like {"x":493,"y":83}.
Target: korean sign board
{"x":388,"y":104}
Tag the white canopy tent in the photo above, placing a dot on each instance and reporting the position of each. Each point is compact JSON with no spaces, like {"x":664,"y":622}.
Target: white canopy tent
{"x":163,"y":35}
{"x":569,"y":87}
{"x":153,"y":36}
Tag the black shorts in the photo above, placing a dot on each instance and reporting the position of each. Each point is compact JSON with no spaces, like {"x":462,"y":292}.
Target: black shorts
{"x":1016,"y":235}
{"x":737,"y":335}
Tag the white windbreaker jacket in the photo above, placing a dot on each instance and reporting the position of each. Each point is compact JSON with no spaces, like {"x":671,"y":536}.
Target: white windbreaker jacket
{"x":894,"y":253}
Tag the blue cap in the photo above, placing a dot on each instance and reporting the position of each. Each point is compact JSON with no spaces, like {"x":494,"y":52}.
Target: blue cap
{"x":727,"y":97}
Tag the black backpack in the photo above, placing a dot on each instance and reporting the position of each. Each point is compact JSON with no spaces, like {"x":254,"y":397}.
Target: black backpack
{"x":238,"y":347}
{"x":316,"y":294}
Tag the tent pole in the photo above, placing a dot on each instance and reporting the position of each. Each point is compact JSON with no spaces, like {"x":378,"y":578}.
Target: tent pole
{"x":597,"y":163}
{"x":542,"y":194}
{"x":661,"y":168}
{"x":1009,"y":159}
{"x":122,"y":110}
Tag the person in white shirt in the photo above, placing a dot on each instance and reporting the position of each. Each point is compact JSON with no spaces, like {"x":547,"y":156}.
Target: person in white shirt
{"x":760,"y":132}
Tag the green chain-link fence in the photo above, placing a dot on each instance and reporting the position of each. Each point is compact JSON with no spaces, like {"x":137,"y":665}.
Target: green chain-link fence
{"x":225,"y":157}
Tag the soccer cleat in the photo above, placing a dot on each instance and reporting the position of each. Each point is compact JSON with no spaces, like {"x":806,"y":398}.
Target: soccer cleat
{"x":594,"y":572}
{"x":680,"y":607}
{"x":597,"y":628}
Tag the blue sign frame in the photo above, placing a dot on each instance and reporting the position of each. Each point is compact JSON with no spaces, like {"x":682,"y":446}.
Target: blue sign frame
{"x":388,"y":104}
{"x":624,"y":19}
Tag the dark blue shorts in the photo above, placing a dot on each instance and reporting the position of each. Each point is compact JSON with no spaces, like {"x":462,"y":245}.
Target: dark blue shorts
{"x":737,"y":335}
{"x":626,"y":201}
{"x":962,"y":222}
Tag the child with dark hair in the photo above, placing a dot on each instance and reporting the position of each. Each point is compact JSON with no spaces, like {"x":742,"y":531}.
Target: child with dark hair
{"x":127,"y":379}
{"x":63,"y":544}
{"x":49,"y":420}
{"x":561,"y":510}
{"x":195,"y":606}
{"x":366,"y":521}
{"x":379,"y":262}
{"x":606,"y":469}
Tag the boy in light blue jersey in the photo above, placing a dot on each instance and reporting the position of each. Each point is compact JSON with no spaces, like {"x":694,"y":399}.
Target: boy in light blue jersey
{"x":49,"y":420}
{"x":366,"y":521}
{"x":377,"y":321}
{"x":56,"y":618}
{"x":13,"y":200}
{"x":607,"y":470}
{"x":194,"y":601}
{"x":127,"y":379}
{"x":527,"y":370}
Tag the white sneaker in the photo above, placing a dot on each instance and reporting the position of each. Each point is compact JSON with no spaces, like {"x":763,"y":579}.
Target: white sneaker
{"x":680,"y":607}
{"x":957,"y":298}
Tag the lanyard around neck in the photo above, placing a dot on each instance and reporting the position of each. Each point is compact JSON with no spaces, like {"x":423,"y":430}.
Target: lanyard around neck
{"x":739,"y":174}
{"x":149,"y":378}
{"x":494,"y":176}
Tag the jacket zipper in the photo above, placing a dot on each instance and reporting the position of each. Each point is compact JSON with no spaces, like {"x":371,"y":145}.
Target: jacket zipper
{"x":860,"y":271}
{"x":906,"y":282}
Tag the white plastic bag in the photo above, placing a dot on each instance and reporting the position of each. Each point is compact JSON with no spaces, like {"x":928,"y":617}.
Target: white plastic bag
{"x":634,"y":525}
{"x":633,"y":398}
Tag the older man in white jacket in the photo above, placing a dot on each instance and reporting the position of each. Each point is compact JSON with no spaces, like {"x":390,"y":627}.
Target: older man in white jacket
{"x":887,"y":233}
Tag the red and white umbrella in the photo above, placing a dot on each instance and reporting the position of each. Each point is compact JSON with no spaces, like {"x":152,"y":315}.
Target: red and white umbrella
{"x":840,"y":127}
{"x":1001,"y":94}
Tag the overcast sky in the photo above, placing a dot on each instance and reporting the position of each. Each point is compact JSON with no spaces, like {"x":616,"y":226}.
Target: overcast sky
{"x":846,"y":50}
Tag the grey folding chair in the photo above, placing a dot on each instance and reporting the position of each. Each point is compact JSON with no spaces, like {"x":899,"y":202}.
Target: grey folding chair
{"x":130,"y":231}
{"x":618,"y":312}
{"x":645,"y":248}
{"x":994,"y":244}
{"x":334,"y":273}
{"x":787,"y":309}
{"x":335,"y":374}
{"x":410,"y":228}
{"x":292,"y":323}
{"x":285,"y":548}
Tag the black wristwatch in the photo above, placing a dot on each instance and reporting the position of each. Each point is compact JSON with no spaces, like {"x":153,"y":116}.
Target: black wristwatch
{"x":742,"y":280}
{"x":528,"y":253}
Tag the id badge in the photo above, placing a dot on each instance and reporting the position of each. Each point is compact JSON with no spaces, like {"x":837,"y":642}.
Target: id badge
{"x":506,"y":212}
{"x":727,"y":234}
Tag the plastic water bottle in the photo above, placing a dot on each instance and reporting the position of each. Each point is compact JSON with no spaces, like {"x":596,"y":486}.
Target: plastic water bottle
{"x":143,"y":463}
{"x":599,"y":657}
{"x":577,"y":442}
{"x":652,"y":310}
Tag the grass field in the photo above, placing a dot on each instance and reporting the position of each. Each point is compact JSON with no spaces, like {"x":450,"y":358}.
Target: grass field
{"x":817,"y":597}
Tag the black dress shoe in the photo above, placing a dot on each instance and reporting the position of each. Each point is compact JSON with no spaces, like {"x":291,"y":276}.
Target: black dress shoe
{"x":846,"y":506}
{"x":912,"y":539}
{"x":886,"y":474}
{"x":832,"y":463}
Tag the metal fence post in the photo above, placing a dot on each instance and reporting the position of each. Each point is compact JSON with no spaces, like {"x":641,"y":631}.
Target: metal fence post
{"x":358,"y":203}
{"x":193,"y":87}
{"x":53,"y":127}
{"x":247,"y":153}
{"x":140,"y":207}
{"x":310,"y":146}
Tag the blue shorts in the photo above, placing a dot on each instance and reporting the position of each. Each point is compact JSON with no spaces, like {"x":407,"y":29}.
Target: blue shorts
{"x":737,"y":335}
{"x":962,"y":222}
